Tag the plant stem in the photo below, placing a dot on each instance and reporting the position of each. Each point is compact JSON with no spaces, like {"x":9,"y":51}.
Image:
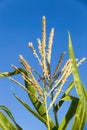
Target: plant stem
{"x":48,"y":123}
{"x":55,"y":113}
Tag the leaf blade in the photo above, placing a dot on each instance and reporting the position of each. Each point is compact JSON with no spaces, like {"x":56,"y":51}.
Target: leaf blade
{"x":6,"y":124}
{"x":8,"y":112}
{"x":81,"y":112}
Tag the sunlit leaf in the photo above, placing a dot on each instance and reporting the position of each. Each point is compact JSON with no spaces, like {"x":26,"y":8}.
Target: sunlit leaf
{"x":81,"y":111}
{"x":70,"y":113}
{"x":30,"y":109}
{"x":4,"y":108}
{"x":5,"y":123}
{"x":38,"y":105}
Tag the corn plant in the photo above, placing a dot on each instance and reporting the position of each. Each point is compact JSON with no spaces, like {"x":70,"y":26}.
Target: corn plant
{"x":43,"y":90}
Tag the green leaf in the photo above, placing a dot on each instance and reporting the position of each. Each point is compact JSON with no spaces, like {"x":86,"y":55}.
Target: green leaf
{"x":38,"y":105}
{"x":4,"y":108}
{"x":5,"y":123}
{"x":70,"y":113}
{"x":68,"y":98}
{"x":81,"y":111}
{"x":31,"y":110}
{"x":40,"y":108}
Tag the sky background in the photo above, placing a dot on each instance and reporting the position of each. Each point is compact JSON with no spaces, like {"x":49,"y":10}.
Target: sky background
{"x":20,"y":22}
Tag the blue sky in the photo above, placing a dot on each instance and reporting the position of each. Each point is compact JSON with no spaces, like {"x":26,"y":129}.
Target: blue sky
{"x":20,"y":22}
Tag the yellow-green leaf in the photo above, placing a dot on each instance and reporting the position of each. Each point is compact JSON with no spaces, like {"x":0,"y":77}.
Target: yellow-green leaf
{"x":81,"y":111}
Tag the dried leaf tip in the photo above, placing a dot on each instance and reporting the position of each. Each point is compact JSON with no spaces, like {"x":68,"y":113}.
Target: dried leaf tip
{"x":12,"y":65}
{"x":43,"y":18}
{"x":52,"y":31}
{"x":39,"y":46}
{"x":43,"y":32}
{"x":21,"y":57}
{"x":30,"y":44}
{"x":43,"y":45}
{"x":50,"y":45}
{"x":81,"y":61}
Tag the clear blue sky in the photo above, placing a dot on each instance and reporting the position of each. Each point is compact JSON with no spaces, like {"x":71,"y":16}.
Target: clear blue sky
{"x":20,"y":22}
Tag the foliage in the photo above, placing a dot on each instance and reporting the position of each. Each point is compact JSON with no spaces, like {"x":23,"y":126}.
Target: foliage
{"x":5,"y":123}
{"x":52,"y":87}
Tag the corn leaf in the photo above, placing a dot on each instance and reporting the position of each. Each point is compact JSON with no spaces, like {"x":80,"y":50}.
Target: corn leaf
{"x":5,"y":123}
{"x":38,"y":105}
{"x":40,"y":108}
{"x":4,"y":108}
{"x":70,"y":113}
{"x":31,"y":110}
{"x":81,"y":111}
{"x":68,"y":98}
